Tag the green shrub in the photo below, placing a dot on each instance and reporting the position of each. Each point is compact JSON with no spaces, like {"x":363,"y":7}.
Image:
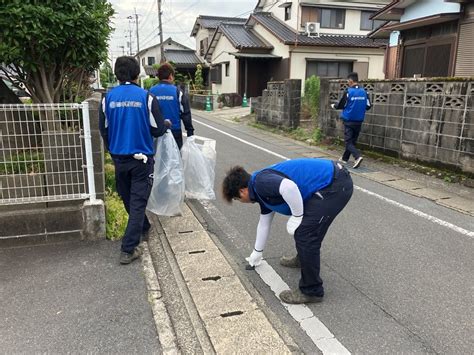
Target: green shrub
{"x":311,"y":95}
{"x":149,"y":82}
{"x":24,"y":163}
{"x":116,"y":216}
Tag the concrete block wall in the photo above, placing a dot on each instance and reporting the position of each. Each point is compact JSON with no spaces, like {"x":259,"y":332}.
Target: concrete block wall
{"x":430,"y":121}
{"x":279,"y":104}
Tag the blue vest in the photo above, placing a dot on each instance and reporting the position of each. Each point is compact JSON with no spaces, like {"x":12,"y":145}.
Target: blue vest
{"x":356,"y":105}
{"x":167,"y":96}
{"x":128,"y":120}
{"x":310,"y":175}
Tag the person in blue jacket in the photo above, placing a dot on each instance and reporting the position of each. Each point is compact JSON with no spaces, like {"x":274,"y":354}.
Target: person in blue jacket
{"x":312,"y":192}
{"x":174,"y":103}
{"x":353,"y":103}
{"x":129,"y":118}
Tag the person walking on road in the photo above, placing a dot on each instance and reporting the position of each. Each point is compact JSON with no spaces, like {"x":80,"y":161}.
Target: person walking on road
{"x":354,"y":103}
{"x":174,"y":103}
{"x":129,"y":118}
{"x":312,"y":192}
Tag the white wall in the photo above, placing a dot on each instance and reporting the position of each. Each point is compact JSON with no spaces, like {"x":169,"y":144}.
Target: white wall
{"x":423,"y":8}
{"x":280,"y":49}
{"x":220,"y":55}
{"x":156,"y":53}
{"x":375,"y":58}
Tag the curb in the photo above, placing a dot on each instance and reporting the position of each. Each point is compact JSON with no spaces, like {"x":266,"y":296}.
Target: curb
{"x":163,"y":324}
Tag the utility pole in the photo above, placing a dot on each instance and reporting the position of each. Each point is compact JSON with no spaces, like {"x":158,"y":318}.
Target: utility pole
{"x":162,"y":50}
{"x":136,"y":23}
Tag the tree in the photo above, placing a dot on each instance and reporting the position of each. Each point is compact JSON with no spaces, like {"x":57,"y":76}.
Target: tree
{"x":198,"y":79}
{"x":52,"y":46}
{"x":107,"y":77}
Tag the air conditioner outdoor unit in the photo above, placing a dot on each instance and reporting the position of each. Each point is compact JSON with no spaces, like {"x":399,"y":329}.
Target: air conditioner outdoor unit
{"x":312,"y":29}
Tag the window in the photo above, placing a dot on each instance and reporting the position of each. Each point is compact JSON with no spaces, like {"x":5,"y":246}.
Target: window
{"x":333,"y":18}
{"x":143,"y":61}
{"x":328,"y":69}
{"x":366,"y":23}
{"x":203,"y":46}
{"x":288,"y":13}
{"x":151,"y":60}
{"x":309,"y":14}
{"x":227,"y":65}
{"x":216,"y":74}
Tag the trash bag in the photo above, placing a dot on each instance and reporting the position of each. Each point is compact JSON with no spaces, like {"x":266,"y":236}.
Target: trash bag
{"x":199,"y":161}
{"x":167,"y":193}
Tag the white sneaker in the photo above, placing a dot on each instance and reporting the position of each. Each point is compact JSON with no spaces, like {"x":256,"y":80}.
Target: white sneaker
{"x":340,"y":160}
{"x":357,"y":163}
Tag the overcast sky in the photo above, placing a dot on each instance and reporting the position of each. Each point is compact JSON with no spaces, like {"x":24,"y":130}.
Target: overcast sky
{"x":178,"y":19}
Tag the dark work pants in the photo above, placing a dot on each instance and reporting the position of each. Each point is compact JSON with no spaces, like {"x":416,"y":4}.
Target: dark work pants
{"x":318,"y":216}
{"x":134,"y":180}
{"x":351,"y":133}
{"x":178,"y":137}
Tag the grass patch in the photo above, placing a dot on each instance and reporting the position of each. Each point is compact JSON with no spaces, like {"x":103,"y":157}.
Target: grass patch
{"x":116,"y":216}
{"x":24,"y":163}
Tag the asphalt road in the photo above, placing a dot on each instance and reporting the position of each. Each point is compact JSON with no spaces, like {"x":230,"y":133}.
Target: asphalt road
{"x":395,"y":282}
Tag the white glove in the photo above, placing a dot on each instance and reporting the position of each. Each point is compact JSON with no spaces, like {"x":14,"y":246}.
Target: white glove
{"x":293,"y":224}
{"x":333,"y":106}
{"x":255,"y":258}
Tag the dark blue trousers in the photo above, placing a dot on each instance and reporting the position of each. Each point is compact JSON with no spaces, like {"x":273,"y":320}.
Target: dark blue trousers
{"x":134,"y":181}
{"x":351,"y":133}
{"x":319,"y":212}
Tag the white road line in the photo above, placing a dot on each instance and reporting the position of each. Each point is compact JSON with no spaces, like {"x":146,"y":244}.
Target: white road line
{"x":316,"y":330}
{"x":406,"y":208}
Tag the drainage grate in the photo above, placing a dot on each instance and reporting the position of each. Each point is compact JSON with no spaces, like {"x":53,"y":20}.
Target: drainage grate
{"x":231,"y":314}
{"x":197,"y":252}
{"x":211,"y":278}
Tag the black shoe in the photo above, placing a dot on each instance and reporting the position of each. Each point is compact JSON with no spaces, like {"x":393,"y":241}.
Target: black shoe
{"x":127,"y":258}
{"x":298,"y":297}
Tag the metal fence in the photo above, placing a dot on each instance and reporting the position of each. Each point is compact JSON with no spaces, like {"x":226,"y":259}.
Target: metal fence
{"x":45,"y":153}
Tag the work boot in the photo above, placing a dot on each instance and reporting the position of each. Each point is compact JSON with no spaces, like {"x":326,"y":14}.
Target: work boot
{"x":297,"y":297}
{"x":290,"y":261}
{"x":127,"y":258}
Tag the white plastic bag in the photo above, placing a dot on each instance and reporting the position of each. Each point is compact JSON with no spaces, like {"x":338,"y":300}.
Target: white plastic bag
{"x":199,"y":161}
{"x":167,"y":193}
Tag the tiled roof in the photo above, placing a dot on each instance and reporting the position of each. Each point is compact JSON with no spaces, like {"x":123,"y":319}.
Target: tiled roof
{"x":212,"y":22}
{"x":289,"y":36}
{"x":182,"y":58}
{"x":242,"y":37}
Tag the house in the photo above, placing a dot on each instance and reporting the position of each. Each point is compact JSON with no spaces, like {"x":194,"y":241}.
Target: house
{"x":204,"y":28}
{"x":296,"y":39}
{"x":184,"y":58}
{"x":428,"y":38}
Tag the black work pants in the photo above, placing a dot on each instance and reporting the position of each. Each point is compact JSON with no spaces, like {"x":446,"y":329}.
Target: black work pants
{"x":134,"y":180}
{"x":319,"y":212}
{"x":351,"y":133}
{"x":178,"y":137}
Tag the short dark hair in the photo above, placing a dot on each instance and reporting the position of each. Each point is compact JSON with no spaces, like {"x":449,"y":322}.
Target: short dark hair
{"x":126,"y":69}
{"x":353,"y":76}
{"x":165,"y":70}
{"x":236,"y":178}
